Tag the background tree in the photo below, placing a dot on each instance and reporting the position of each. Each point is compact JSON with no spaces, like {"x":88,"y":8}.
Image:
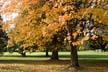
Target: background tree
{"x":3,"y":37}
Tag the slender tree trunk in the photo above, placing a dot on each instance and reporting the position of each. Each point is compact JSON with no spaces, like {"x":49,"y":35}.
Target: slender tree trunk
{"x":74,"y":57}
{"x":23,"y":54}
{"x":47,"y":55}
{"x":54,"y":55}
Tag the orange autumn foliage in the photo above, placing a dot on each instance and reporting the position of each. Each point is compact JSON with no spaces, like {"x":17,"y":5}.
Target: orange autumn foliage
{"x":35,"y":27}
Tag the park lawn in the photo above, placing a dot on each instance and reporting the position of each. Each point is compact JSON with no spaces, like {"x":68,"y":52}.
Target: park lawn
{"x":90,"y":61}
{"x":83,"y":55}
{"x":52,"y":66}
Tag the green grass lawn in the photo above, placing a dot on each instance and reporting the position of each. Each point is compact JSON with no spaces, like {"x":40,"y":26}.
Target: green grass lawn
{"x":83,"y":55}
{"x":90,"y":61}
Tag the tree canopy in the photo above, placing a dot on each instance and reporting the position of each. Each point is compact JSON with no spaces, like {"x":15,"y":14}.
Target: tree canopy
{"x":38,"y":21}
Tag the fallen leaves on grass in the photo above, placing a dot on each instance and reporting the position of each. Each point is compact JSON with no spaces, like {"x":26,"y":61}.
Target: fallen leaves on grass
{"x":53,"y":66}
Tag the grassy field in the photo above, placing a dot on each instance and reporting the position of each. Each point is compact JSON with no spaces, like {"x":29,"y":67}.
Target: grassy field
{"x":83,"y":55}
{"x":90,"y":61}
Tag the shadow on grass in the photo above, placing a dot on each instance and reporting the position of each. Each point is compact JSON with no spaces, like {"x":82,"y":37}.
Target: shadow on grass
{"x":36,"y":62}
{"x":29,"y":57}
{"x":61,"y":56}
{"x":42,"y":59}
{"x":83,"y":63}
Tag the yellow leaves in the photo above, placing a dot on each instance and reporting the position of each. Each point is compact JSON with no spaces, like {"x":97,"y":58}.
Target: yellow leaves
{"x":25,"y":4}
{"x":81,"y":41}
{"x":27,"y":43}
{"x":65,"y":1}
{"x":46,"y":7}
{"x":99,"y":14}
{"x":30,"y":1}
{"x":55,"y":27}
{"x":106,"y":13}
{"x":75,"y":34}
{"x":44,"y":31}
{"x":62,"y":18}
{"x":10,"y":6}
{"x":76,"y":43}
{"x":84,"y":11}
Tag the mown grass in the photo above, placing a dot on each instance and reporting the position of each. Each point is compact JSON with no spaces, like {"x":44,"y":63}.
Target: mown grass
{"x":52,"y":66}
{"x":90,"y":61}
{"x":83,"y":55}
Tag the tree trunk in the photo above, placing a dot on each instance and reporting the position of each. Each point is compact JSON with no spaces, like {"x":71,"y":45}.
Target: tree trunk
{"x":74,"y":57}
{"x":47,"y":52}
{"x":54,"y":55}
{"x":23,"y":54}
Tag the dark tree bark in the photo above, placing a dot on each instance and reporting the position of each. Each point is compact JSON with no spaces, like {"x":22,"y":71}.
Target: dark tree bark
{"x":54,"y":55}
{"x":47,"y":55}
{"x":23,"y":54}
{"x":74,"y":57}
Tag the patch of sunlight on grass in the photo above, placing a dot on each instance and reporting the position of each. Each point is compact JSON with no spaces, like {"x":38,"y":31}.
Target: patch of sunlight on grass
{"x":24,"y":58}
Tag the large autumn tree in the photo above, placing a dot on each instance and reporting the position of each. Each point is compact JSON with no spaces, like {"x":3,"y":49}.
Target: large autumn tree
{"x":47,"y":22}
{"x":35,"y":28}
